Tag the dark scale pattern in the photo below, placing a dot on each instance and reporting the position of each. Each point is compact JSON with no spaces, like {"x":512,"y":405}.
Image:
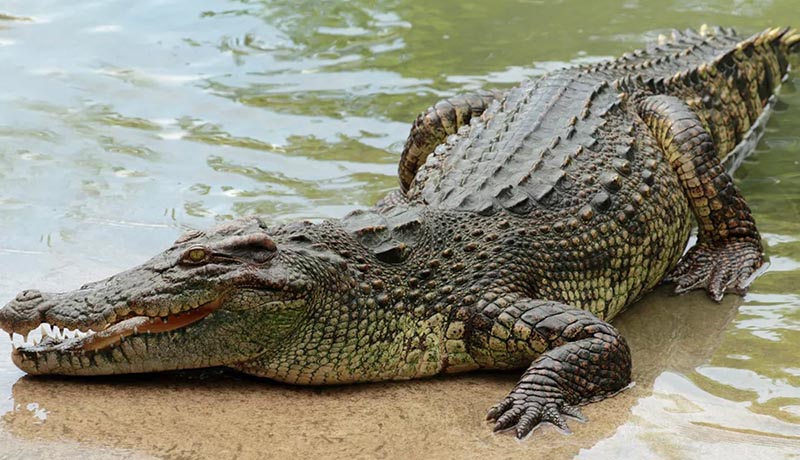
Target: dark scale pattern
{"x":525,"y":221}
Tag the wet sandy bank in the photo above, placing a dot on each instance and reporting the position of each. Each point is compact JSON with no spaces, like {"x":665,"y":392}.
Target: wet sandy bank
{"x":215,"y":414}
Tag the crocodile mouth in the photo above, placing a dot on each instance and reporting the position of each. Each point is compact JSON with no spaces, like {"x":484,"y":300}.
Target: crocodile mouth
{"x":48,"y":337}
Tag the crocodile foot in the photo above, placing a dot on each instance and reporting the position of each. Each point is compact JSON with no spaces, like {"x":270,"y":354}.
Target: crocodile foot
{"x":719,"y":268}
{"x":528,"y":405}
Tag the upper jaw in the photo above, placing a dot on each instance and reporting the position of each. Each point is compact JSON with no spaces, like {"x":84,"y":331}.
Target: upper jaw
{"x":147,"y":344}
{"x":153,"y":289}
{"x":150,"y":290}
{"x":163,"y":286}
{"x":102,"y":313}
{"x":112,"y":334}
{"x":74,"y":310}
{"x":160,"y":291}
{"x":73,"y":321}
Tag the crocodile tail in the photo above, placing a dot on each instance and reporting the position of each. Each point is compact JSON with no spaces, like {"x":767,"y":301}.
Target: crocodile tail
{"x":669,"y":54}
{"x":735,"y":86}
{"x":727,"y":80}
{"x":784,"y":40}
{"x":790,"y":40}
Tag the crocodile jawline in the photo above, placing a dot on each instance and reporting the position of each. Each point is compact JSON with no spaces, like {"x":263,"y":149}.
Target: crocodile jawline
{"x":118,"y":332}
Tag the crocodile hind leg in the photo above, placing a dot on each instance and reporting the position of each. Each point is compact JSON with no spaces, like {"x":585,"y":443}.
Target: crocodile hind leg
{"x":432,"y":127}
{"x":728,"y":249}
{"x":578,"y":359}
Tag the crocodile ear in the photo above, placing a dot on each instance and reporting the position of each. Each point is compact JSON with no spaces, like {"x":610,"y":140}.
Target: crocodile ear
{"x":256,"y":247}
{"x":189,"y":236}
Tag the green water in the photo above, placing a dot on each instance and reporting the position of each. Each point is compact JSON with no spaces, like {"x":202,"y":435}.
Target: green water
{"x":124,"y":123}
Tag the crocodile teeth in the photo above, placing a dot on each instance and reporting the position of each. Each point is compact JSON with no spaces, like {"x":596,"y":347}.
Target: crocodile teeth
{"x":48,"y":336}
{"x":45,"y":330}
{"x":145,"y":325}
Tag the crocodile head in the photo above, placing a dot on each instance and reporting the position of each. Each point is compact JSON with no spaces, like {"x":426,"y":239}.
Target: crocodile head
{"x":212,"y":299}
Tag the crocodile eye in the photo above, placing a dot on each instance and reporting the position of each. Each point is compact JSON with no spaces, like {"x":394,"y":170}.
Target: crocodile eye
{"x":195,"y":255}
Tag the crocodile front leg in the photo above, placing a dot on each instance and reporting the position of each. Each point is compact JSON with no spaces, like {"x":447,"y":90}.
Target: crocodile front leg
{"x":578,"y":359}
{"x":432,"y":127}
{"x":728,"y":249}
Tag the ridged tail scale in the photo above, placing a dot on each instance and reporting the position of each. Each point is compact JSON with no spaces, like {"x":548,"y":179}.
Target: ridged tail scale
{"x":729,"y":91}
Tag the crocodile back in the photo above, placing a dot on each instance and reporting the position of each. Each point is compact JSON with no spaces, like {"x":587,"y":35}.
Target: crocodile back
{"x":555,"y":143}
{"x":529,"y":151}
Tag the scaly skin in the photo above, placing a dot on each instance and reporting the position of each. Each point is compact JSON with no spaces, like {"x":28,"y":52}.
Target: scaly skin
{"x":433,"y":126}
{"x":546,"y":211}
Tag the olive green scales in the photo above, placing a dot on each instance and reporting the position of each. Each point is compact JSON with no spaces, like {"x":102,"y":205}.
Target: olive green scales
{"x":525,"y":220}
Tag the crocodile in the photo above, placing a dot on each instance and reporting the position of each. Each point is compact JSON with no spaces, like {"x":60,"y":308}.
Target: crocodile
{"x":525,"y":220}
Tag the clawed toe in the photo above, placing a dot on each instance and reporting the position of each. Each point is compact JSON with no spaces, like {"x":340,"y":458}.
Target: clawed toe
{"x":508,"y":419}
{"x":721,"y":268}
{"x":575,"y":413}
{"x":498,"y":409}
{"x":524,"y":416}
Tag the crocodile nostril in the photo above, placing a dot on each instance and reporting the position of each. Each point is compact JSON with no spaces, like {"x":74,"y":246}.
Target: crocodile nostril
{"x":28,"y":295}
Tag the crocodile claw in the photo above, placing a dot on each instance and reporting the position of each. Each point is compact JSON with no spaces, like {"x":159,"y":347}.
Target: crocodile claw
{"x":524,"y":410}
{"x":719,"y":268}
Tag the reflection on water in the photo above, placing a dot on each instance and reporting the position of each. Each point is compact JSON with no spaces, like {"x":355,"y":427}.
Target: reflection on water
{"x":125,"y":123}
{"x":680,"y":420}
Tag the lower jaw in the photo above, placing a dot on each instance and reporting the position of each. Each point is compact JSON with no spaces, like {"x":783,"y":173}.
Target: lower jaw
{"x":101,"y":363}
{"x":122,"y":359}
